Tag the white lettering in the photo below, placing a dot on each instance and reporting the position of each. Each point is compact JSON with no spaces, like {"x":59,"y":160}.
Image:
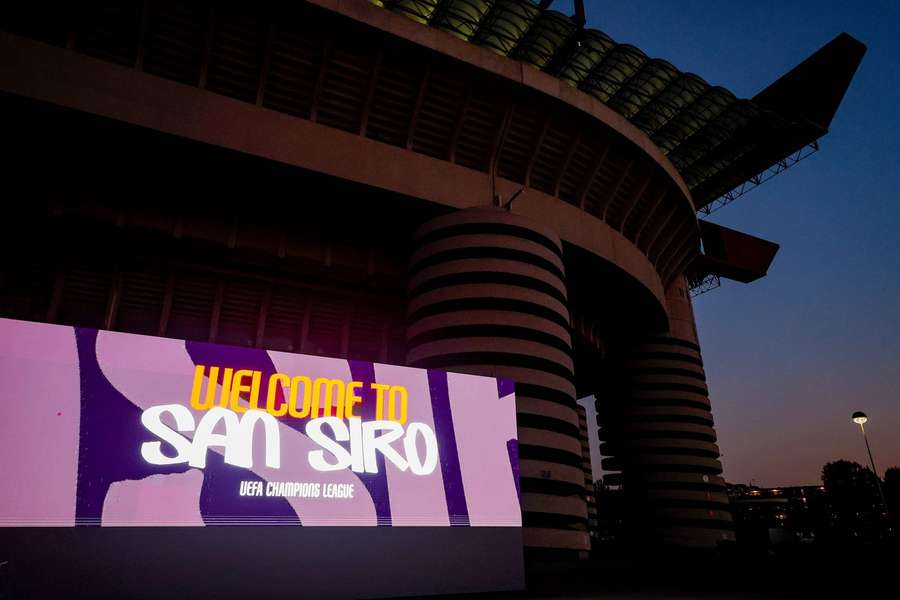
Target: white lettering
{"x":237,"y":438}
{"x":366,"y":441}
{"x":382,"y":443}
{"x":317,"y":460}
{"x":151,"y":419}
{"x":417,"y":465}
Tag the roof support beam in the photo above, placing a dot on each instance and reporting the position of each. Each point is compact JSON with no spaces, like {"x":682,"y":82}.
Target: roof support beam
{"x":267,"y":59}
{"x":615,"y":189}
{"x":650,"y":215}
{"x":168,"y":297}
{"x":207,"y":47}
{"x":634,"y":200}
{"x":589,"y":180}
{"x":682,"y":264}
{"x":142,"y":36}
{"x":420,"y":100}
{"x":686,"y":256}
{"x":263,"y":315}
{"x":573,"y":146}
{"x":370,"y":94}
{"x":457,"y":128}
{"x":662,"y":227}
{"x":675,"y":233}
{"x":538,"y":142}
{"x":497,"y":144}
{"x":320,"y":80}
{"x":687,"y":242}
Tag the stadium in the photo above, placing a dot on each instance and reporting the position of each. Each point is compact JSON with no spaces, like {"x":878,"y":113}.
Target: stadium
{"x":479,"y":186}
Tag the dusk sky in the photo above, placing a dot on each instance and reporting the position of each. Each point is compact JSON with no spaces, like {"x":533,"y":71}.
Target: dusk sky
{"x":788,"y":358}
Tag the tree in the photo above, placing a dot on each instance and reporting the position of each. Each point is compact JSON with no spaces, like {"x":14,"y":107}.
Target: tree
{"x":892,"y":493}
{"x":853,"y":499}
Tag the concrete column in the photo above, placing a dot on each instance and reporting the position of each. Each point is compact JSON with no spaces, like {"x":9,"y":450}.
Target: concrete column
{"x":487,"y":295}
{"x":662,"y":438}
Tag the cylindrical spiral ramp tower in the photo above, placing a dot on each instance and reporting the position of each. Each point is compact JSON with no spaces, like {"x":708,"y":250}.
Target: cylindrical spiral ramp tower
{"x":487,"y":295}
{"x":659,"y":434}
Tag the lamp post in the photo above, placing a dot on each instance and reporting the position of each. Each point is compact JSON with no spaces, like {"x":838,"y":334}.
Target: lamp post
{"x":861,"y":419}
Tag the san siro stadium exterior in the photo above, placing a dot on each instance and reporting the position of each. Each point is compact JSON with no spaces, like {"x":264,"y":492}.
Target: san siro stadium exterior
{"x":481,"y":186}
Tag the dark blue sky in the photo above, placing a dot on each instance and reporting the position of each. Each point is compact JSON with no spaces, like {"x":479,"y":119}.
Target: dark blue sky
{"x":789,"y":357}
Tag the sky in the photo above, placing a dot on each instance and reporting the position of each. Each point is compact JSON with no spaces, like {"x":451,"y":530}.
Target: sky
{"x":789,"y":357}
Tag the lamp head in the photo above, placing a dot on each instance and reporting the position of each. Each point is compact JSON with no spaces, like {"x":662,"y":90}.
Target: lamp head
{"x":859,"y":418}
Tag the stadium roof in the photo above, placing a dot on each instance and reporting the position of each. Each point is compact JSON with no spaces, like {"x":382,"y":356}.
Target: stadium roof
{"x":716,"y":140}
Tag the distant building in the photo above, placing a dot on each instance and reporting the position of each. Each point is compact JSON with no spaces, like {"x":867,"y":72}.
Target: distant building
{"x":610,"y":529}
{"x":774,"y":516}
{"x":590,"y":499}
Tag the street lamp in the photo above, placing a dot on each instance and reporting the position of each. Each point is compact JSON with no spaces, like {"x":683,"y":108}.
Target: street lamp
{"x":861,"y":419}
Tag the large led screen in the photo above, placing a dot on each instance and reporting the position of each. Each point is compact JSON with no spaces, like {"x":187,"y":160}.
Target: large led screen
{"x":114,"y":429}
